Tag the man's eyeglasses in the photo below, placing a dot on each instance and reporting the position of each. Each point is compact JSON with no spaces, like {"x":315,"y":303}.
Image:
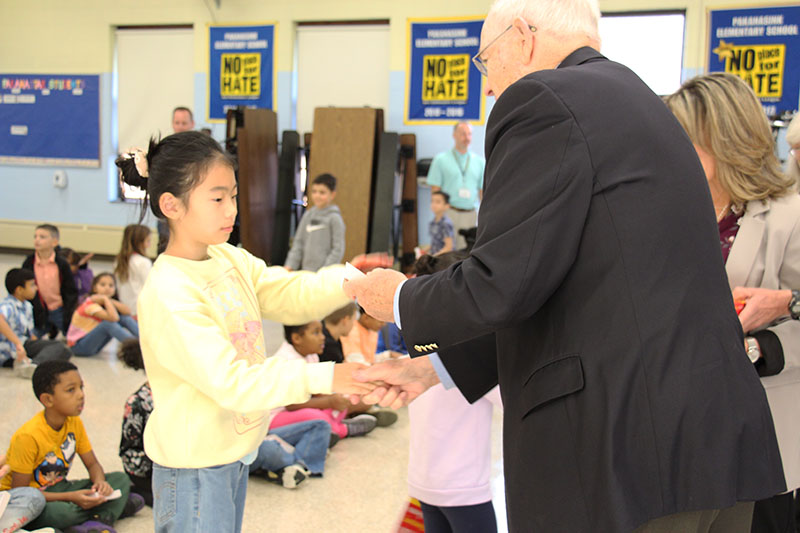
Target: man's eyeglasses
{"x":479,"y":63}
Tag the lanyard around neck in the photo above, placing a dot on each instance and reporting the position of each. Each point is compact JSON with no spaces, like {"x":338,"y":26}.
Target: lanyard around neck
{"x":458,"y":164}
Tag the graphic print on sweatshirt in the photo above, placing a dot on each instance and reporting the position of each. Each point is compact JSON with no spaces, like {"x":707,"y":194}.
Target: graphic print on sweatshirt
{"x":243,"y":322}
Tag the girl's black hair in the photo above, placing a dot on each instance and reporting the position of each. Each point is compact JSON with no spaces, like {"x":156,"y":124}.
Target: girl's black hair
{"x":428,"y":264}
{"x":176,"y":164}
{"x":288,"y":330}
{"x":130,"y":353}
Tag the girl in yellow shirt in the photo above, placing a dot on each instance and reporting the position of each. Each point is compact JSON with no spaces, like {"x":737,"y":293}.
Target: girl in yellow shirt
{"x":200,"y":314}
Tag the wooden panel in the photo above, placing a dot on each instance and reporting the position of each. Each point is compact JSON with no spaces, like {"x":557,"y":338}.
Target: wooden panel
{"x":380,"y":235}
{"x":258,"y":180}
{"x":343,"y":144}
{"x":408,"y":150}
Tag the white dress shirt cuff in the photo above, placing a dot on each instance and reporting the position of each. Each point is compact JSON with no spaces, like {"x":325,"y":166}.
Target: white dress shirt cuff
{"x":441,"y":371}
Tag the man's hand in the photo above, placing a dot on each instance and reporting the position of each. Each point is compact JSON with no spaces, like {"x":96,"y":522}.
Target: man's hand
{"x":404,"y":380}
{"x":375,"y":292}
{"x":762,"y":306}
{"x":344,"y":383}
{"x":87,"y":498}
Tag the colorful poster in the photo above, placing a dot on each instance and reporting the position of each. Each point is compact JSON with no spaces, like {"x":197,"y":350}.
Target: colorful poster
{"x":442,"y":85}
{"x":49,"y":119}
{"x":241,"y":70}
{"x":761,"y":46}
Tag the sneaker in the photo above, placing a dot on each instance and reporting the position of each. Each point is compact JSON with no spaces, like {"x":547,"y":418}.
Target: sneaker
{"x":91,"y":526}
{"x":24,"y":370}
{"x":360,"y":425}
{"x":334,"y":439}
{"x":288,"y":477}
{"x":134,"y":504}
{"x":385,"y":417}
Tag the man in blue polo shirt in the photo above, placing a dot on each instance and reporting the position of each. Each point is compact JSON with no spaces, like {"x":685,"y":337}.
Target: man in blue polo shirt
{"x":459,"y":173}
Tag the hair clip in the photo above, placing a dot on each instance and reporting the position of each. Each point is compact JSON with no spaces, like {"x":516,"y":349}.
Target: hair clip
{"x":140,"y":160}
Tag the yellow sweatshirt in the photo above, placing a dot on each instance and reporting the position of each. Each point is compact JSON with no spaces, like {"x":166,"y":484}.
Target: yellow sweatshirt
{"x":203,"y":348}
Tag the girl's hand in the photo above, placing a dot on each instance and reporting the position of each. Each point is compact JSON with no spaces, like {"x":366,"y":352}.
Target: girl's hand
{"x":85,"y":259}
{"x":344,"y":383}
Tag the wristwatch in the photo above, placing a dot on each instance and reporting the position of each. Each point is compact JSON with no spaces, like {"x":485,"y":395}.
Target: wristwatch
{"x":753,"y":350}
{"x":794,"y":305}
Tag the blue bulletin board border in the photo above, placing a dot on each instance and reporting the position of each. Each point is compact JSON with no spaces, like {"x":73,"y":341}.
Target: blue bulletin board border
{"x":790,"y":98}
{"x":407,"y":120}
{"x":50,"y":119}
{"x":211,"y":70}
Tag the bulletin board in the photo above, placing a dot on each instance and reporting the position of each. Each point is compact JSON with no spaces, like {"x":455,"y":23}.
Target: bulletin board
{"x":762,"y":46}
{"x":50,"y":119}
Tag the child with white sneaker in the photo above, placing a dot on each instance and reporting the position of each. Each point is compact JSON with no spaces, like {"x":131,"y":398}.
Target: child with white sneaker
{"x":19,"y":347}
{"x":305,"y":342}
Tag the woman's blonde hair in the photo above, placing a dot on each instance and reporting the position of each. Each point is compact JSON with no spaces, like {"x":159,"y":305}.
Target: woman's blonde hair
{"x":793,"y":138}
{"x":722,"y":115}
{"x":133,"y":240}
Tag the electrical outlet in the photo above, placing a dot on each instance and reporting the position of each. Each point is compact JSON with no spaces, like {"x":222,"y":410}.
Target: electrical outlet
{"x":60,"y":179}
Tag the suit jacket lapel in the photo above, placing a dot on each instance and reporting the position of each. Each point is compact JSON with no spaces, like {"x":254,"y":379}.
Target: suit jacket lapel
{"x":748,"y":241}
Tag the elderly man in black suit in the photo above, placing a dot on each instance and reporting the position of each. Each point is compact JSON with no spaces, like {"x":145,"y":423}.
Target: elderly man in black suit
{"x":595,"y":295}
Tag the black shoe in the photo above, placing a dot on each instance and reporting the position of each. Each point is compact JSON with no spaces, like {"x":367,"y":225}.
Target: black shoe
{"x":334,"y":440}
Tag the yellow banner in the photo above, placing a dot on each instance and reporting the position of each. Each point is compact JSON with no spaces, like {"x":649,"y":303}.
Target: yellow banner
{"x":760,"y":65}
{"x":445,"y":78}
{"x":240,"y":76}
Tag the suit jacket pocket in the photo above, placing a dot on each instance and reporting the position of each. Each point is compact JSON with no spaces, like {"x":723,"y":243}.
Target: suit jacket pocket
{"x":551,"y":381}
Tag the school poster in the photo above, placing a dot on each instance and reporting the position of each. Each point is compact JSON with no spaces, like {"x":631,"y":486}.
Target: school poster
{"x":241,"y":70}
{"x":50,"y":119}
{"x":442,"y":84}
{"x":762,"y":46}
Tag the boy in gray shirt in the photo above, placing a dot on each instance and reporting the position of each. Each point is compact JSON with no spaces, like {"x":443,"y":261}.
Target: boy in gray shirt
{"x":319,"y":239}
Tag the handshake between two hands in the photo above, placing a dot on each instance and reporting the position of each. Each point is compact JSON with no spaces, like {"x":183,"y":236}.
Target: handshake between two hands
{"x":393,"y":383}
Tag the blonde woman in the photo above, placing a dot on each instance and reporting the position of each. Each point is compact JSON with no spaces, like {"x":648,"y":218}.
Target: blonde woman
{"x":793,"y":138}
{"x":758,"y":213}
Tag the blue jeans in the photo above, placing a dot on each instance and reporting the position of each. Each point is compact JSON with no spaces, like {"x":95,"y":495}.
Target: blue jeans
{"x":26,"y":503}
{"x":310,"y":441}
{"x":94,"y":341}
{"x":55,"y":317}
{"x":200,"y":500}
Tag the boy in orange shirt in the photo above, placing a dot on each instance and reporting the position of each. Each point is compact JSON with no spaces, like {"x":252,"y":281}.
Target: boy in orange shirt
{"x":57,"y":297}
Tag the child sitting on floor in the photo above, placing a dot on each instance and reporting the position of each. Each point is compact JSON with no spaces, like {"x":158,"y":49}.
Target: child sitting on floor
{"x":43,"y":449}
{"x":138,"y":407}
{"x":305,"y":343}
{"x":100,"y":318}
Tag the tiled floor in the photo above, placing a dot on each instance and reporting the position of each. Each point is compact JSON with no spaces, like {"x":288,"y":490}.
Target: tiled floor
{"x":364,"y":488}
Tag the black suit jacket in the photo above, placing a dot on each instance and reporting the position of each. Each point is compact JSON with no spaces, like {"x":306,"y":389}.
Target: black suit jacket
{"x":598,"y":287}
{"x":69,"y":293}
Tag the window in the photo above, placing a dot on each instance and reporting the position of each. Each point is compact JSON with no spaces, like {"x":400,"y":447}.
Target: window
{"x":649,"y":43}
{"x":153,"y":74}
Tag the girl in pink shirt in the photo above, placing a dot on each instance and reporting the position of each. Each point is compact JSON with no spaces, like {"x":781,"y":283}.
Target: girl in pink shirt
{"x":449,"y":460}
{"x":100,"y":318}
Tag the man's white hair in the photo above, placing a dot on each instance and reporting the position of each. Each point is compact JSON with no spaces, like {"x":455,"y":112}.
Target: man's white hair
{"x":562,"y":17}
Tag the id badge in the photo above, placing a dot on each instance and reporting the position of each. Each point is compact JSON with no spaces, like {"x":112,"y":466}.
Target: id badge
{"x":464,"y":193}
